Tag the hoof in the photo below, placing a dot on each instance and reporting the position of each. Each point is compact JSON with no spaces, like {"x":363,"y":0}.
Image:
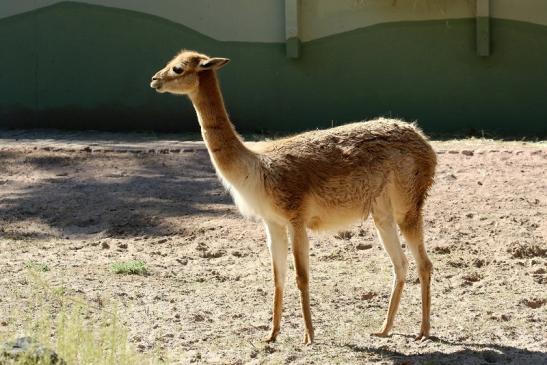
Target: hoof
{"x":424,"y":332}
{"x":271,"y":338}
{"x":380,"y":334}
{"x":308,"y":340}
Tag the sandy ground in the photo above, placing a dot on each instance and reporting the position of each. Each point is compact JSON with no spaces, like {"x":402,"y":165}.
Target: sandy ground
{"x":78,"y":203}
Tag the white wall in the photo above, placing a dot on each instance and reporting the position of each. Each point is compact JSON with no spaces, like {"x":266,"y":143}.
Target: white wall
{"x":264,"y":20}
{"x":321,"y":18}
{"x":225,"y":20}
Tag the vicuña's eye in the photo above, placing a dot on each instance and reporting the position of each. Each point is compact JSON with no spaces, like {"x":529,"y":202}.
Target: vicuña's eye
{"x":177,"y":70}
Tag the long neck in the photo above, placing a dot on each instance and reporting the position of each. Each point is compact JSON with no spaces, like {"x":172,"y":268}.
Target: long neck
{"x":229,"y":154}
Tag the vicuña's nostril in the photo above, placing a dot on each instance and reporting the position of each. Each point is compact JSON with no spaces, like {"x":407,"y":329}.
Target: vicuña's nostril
{"x":154,"y":78}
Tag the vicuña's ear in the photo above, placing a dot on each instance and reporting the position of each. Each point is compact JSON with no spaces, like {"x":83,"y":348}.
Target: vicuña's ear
{"x":213,"y":63}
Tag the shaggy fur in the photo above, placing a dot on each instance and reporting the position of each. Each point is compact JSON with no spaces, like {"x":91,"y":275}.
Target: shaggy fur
{"x":322,"y":180}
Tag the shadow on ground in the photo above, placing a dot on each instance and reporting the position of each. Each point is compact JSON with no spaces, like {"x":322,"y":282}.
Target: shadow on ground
{"x":117,"y":195}
{"x":472,"y":353}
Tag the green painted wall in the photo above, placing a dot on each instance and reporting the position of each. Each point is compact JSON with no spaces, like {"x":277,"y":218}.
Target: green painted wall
{"x":78,"y":66}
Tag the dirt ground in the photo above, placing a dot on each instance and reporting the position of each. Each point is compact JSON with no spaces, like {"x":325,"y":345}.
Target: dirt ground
{"x":79,"y":203}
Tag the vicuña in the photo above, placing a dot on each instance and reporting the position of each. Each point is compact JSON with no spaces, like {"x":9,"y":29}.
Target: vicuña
{"x":321,"y":180}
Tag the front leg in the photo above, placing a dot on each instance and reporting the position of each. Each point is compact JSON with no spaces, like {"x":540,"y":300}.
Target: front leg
{"x":278,"y":246}
{"x":301,"y":250}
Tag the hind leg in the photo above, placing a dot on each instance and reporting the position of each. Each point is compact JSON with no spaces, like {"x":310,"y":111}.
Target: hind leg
{"x":412,"y":229}
{"x":385,"y":225}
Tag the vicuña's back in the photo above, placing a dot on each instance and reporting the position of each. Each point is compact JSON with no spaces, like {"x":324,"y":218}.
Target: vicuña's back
{"x":325,"y":175}
{"x":324,"y":179}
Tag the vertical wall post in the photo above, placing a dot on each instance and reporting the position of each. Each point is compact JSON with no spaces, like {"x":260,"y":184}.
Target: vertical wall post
{"x":483,"y":27}
{"x":292,"y":28}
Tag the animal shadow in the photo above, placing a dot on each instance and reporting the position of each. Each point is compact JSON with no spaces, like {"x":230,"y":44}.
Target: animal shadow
{"x":472,"y":353}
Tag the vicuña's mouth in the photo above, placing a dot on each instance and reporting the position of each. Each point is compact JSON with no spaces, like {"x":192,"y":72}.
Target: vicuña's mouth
{"x":155,"y":84}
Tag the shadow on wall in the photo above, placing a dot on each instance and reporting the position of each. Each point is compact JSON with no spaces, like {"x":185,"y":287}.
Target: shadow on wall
{"x":76,"y":65}
{"x":104,"y":117}
{"x":114,"y":195}
{"x":470,"y":354}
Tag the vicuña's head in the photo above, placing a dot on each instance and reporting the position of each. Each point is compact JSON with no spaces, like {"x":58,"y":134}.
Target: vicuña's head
{"x":181,"y":75}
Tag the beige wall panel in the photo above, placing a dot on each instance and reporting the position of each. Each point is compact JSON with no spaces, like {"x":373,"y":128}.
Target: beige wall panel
{"x":531,"y":11}
{"x":322,"y":18}
{"x":264,"y":20}
{"x":233,"y":20}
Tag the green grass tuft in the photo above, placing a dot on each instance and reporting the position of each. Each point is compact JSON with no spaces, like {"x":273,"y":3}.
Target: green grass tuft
{"x":132,"y":267}
{"x":38,"y":266}
{"x":63,"y":324}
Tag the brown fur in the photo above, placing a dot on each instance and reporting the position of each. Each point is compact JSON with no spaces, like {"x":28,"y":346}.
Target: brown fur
{"x":347,"y":168}
{"x":322,"y":180}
